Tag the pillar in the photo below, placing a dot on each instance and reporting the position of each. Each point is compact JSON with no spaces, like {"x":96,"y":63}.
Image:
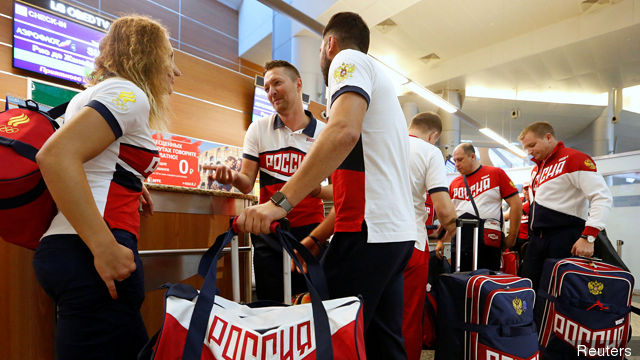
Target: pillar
{"x":410,"y":109}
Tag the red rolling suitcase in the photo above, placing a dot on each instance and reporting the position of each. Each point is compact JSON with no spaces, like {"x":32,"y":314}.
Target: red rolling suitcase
{"x":484,"y":314}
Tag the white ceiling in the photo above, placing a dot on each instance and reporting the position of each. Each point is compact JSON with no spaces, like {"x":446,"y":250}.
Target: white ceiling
{"x":518,"y":45}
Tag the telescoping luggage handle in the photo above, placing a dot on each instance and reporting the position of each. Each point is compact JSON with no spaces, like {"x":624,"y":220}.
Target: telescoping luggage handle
{"x":315,"y":280}
{"x":459,"y":224}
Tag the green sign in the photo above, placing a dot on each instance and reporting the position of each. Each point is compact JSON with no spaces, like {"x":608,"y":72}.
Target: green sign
{"x":50,"y":94}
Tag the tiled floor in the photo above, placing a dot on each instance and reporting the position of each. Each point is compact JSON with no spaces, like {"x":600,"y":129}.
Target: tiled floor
{"x":635,"y":324}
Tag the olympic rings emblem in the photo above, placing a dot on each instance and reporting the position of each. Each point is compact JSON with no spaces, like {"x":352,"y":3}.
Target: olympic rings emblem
{"x":8,"y":129}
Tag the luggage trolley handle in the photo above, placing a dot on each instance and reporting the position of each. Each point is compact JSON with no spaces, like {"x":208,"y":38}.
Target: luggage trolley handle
{"x":286,"y":259}
{"x":459,"y":224}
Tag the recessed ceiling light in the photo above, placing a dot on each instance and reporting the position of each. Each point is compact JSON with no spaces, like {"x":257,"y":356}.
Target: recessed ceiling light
{"x":386,"y":26}
{"x":430,"y":58}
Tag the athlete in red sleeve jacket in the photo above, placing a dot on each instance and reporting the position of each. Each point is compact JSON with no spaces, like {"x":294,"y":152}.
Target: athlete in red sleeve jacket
{"x":570,"y":201}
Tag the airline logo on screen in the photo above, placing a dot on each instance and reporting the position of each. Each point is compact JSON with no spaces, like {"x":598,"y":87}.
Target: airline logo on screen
{"x":284,"y":162}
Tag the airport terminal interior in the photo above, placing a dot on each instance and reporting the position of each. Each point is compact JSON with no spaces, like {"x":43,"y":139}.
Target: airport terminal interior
{"x":487,"y":68}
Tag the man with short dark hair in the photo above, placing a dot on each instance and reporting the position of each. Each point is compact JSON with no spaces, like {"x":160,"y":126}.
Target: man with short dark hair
{"x":275,"y":146}
{"x":428,"y":174}
{"x":489,"y":186}
{"x":570,"y":200}
{"x":365,"y":145}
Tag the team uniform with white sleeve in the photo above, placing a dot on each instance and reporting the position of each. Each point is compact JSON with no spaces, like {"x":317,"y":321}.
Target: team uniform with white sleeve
{"x":63,"y":263}
{"x":569,"y":198}
{"x":375,"y":225}
{"x":115,"y":176}
{"x":279,"y":153}
{"x":489,"y":185}
{"x":428,"y":174}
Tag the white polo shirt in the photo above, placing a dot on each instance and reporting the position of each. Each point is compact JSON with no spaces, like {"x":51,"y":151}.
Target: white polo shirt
{"x":372,"y":184}
{"x":279,"y":153}
{"x":115,"y":175}
{"x":427,"y":174}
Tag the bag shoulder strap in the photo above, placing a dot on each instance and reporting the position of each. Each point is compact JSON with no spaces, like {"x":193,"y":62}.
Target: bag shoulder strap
{"x":51,"y":115}
{"x":57,"y":111}
{"x":473,"y":203}
{"x":206,"y":297}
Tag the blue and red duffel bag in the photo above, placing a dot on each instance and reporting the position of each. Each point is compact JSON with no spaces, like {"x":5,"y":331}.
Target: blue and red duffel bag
{"x":26,"y":208}
{"x":585,"y":310}
{"x":485,"y":315}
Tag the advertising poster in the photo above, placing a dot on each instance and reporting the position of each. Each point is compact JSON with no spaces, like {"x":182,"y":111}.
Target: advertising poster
{"x":182,"y":159}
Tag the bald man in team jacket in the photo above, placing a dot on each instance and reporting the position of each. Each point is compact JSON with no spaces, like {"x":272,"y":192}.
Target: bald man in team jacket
{"x":570,"y":203}
{"x":489,"y":186}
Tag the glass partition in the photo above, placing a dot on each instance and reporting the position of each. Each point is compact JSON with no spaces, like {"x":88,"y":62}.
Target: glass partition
{"x":622,"y":221}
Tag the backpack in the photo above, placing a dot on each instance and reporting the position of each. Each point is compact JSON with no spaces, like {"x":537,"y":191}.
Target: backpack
{"x":26,"y":207}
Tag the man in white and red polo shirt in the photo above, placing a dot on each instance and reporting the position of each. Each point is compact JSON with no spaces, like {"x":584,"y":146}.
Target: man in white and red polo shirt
{"x":366,"y":149}
{"x":489,"y":186}
{"x":570,"y":203}
{"x":428,"y":180}
{"x":275,"y":147}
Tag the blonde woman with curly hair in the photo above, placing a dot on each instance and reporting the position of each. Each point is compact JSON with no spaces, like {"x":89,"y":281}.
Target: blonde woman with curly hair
{"x":94,"y":166}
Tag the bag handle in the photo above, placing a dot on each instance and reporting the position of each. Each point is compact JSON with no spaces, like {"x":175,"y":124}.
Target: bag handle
{"x":26,"y":150}
{"x":202,"y":309}
{"x":22,"y":148}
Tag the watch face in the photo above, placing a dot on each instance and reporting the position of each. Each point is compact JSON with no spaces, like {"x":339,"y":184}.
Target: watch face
{"x":277,"y":197}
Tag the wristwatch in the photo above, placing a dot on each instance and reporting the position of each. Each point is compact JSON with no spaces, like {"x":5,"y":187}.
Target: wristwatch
{"x":590,"y":238}
{"x":279,"y":199}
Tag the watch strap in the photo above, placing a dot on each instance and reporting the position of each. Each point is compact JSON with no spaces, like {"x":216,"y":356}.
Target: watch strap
{"x":280,"y":199}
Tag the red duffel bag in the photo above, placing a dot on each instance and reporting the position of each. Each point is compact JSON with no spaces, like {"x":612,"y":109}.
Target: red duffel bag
{"x":26,"y":208}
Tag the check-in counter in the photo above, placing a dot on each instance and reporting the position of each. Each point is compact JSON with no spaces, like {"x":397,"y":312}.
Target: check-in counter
{"x":184,"y":224}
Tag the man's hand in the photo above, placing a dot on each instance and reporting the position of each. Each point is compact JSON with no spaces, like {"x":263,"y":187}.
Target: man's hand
{"x":510,"y":240}
{"x":114,"y":263}
{"x":146,"y":202}
{"x":440,"y":249}
{"x":313,"y":248}
{"x":257,"y":219}
{"x":582,"y":248}
{"x":223,"y":174}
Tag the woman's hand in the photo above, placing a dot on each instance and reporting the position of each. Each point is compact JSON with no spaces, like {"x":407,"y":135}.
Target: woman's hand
{"x":114,"y":262}
{"x":146,"y":202}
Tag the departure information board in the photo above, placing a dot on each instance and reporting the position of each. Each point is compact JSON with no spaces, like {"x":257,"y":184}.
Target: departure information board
{"x":56,"y":39}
